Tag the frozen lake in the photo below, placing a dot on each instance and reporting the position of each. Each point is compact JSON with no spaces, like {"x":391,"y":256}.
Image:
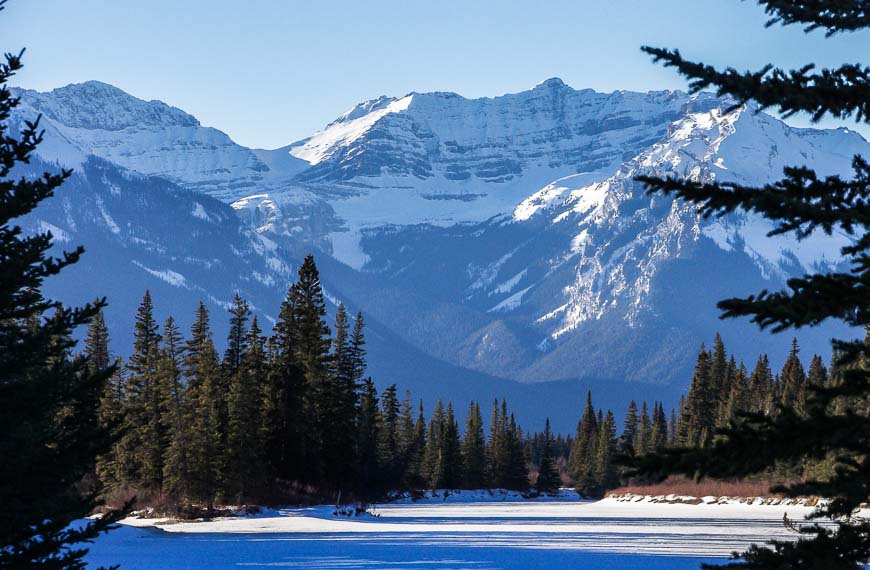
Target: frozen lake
{"x":462,"y":532}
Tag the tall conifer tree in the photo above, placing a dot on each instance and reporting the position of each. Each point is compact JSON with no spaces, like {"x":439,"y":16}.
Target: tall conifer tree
{"x":202,"y":368}
{"x":50,"y":432}
{"x":548,"y":476}
{"x":582,"y":458}
{"x":177,"y":460}
{"x":801,"y":203}
{"x":244,"y":464}
{"x":474,"y":449}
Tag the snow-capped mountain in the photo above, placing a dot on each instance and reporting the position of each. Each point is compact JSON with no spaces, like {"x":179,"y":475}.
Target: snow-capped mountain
{"x":151,"y":137}
{"x":490,"y":240}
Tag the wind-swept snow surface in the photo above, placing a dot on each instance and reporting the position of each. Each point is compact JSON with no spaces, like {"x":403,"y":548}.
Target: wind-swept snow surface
{"x":460,"y":532}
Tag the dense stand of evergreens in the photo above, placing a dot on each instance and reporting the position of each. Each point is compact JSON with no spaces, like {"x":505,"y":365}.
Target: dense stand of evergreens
{"x":293,"y":410}
{"x":296,"y":410}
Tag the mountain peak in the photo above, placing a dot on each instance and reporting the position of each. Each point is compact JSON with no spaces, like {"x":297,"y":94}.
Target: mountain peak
{"x":364,"y":108}
{"x":95,"y":105}
{"x":550,"y":84}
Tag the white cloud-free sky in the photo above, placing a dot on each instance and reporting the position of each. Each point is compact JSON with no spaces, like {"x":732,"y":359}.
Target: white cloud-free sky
{"x":269,"y":72}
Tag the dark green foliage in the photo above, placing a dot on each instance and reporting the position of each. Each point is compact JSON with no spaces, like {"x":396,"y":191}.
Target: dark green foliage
{"x":699,"y":411}
{"x":643,"y":438}
{"x":629,"y":430}
{"x":97,"y":343}
{"x":367,"y":435}
{"x":548,"y":476}
{"x":658,"y":435}
{"x":516,"y":475}
{"x":237,"y":340}
{"x":337,"y":403}
{"x":207,"y":399}
{"x":449,"y":470}
{"x":506,"y":461}
{"x":145,"y":437}
{"x":311,"y":352}
{"x":474,"y":450}
{"x":792,"y":382}
{"x":606,"y":473}
{"x":583,"y":453}
{"x":177,"y":410}
{"x":832,"y":15}
{"x":388,"y":436}
{"x":806,"y":422}
{"x":283,"y":423}
{"x":50,"y":429}
{"x":244,"y":467}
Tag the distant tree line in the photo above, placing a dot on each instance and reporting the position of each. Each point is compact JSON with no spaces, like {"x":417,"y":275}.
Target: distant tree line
{"x":288,"y":412}
{"x":722,"y":391}
{"x":292,"y":413}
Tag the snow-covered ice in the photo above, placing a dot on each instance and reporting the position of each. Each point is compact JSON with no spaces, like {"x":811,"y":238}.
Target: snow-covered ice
{"x":465,"y":531}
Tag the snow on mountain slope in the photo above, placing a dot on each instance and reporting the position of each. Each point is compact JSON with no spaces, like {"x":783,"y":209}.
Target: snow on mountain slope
{"x":619,"y":238}
{"x":151,"y":137}
{"x":500,"y":236}
{"x":442,"y":159}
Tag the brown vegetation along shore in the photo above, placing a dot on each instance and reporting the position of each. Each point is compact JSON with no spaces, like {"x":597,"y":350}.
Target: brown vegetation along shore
{"x":707,"y":488}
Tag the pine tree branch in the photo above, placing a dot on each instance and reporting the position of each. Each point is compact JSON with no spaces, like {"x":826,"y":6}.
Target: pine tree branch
{"x":833,"y":15}
{"x":842,"y":92}
{"x":811,"y":300}
{"x":801,"y":202}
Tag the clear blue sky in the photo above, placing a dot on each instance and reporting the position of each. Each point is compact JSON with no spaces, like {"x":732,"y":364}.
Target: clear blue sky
{"x":271,"y":72}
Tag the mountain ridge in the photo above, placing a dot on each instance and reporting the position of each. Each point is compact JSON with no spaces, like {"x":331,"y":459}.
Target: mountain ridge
{"x":503,"y":236}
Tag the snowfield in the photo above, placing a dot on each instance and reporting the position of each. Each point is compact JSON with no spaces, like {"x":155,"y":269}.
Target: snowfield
{"x":466,"y":530}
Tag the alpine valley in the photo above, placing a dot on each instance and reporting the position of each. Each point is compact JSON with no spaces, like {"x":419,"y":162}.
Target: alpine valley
{"x":498,"y":247}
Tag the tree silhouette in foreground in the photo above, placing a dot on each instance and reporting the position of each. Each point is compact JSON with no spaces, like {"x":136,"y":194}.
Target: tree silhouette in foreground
{"x":835,"y":424}
{"x":50,"y":432}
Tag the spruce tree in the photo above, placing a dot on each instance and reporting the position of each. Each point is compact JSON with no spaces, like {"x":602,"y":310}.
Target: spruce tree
{"x":433,"y":459}
{"x":719,"y":371}
{"x":338,"y":407}
{"x":658,"y":438}
{"x":284,"y":421}
{"x":50,"y":432}
{"x":582,"y":458}
{"x":629,"y":430}
{"x":312,"y":352}
{"x":606,"y":472}
{"x":109,"y":470}
{"x":202,"y":368}
{"x":97,"y":343}
{"x":793,"y":381}
{"x":451,"y":452}
{"x":409,"y":454}
{"x":801,"y":203}
{"x":388,"y":438}
{"x":699,"y":412}
{"x":244,"y":452}
{"x":548,"y":476}
{"x":357,"y":350}
{"x":414,"y":470}
{"x":818,"y":374}
{"x":177,"y":459}
{"x":144,"y":442}
{"x":237,"y":338}
{"x":643,"y":439}
{"x":516,"y":477}
{"x":473,"y":449}
{"x":761,"y":387}
{"x":367,"y":436}
{"x":495,"y":449}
